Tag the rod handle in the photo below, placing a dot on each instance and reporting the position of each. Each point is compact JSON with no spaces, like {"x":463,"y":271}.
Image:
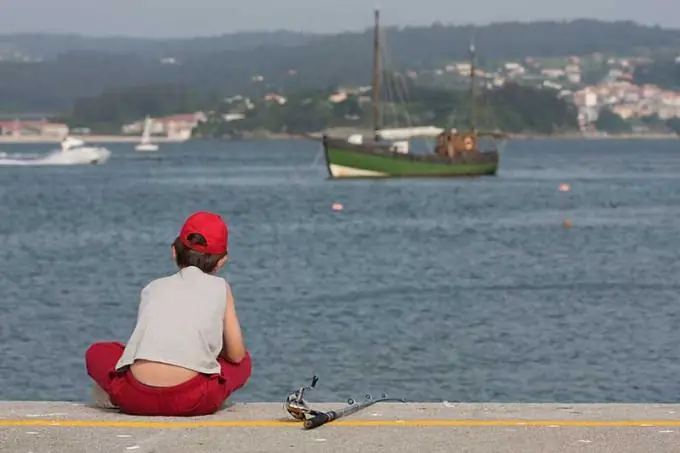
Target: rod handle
{"x":320,"y":419}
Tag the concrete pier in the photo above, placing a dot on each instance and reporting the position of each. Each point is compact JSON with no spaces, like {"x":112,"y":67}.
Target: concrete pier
{"x":56,"y":427}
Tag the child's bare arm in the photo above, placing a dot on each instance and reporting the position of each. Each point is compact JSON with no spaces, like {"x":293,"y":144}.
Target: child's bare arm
{"x":234,"y":350}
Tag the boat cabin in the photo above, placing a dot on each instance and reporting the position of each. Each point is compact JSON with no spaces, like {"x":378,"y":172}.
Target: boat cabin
{"x":450,"y":143}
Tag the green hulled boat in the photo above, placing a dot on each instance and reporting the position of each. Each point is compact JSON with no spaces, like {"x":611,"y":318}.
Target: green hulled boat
{"x":456,"y":154}
{"x":347,"y":160}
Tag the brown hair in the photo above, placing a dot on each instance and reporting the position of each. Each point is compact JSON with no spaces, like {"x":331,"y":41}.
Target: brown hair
{"x":186,"y":257}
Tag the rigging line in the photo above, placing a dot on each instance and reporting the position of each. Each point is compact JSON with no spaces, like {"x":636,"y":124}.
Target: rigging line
{"x":316,"y":158}
{"x":390,"y":103}
{"x":297,"y":171}
{"x":396,"y":78}
{"x":384,"y":86}
{"x":399,"y":97}
{"x":403,"y":95}
{"x":402,"y":79}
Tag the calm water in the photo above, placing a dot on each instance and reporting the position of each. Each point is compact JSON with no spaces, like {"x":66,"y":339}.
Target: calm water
{"x":429,"y":290}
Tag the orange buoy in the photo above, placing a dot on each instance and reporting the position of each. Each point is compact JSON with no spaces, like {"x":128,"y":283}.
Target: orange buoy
{"x":566,"y":223}
{"x":337,"y":207}
{"x":565,"y":187}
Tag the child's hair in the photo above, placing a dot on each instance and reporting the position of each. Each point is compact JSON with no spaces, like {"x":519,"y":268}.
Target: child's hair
{"x":207,"y":262}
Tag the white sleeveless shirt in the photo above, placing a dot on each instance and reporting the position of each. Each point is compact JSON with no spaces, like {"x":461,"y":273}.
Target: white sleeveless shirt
{"x":180,"y":322}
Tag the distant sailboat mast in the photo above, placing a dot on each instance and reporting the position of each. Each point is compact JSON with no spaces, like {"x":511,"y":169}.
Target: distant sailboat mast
{"x":376,"y":76}
{"x":472,"y":85}
{"x":147,"y":130}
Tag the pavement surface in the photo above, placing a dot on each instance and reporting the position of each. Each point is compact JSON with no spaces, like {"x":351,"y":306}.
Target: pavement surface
{"x":56,"y":427}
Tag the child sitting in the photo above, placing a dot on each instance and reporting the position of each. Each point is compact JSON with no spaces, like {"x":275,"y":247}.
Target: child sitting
{"x":186,"y":354}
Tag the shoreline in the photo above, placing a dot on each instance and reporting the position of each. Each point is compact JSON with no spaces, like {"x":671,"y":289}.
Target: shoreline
{"x":314,"y":136}
{"x":37,"y":139}
{"x":595,"y":137}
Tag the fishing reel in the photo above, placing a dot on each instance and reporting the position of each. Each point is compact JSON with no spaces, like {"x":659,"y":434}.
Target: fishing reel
{"x":296,"y":405}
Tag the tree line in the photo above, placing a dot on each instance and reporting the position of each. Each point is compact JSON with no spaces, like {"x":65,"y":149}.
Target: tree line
{"x":290,"y":62}
{"x":512,"y":108}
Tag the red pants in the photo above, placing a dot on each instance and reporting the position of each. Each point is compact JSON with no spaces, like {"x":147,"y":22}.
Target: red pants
{"x":201,"y":395}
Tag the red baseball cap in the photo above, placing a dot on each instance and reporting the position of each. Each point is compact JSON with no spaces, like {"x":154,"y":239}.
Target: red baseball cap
{"x":209,"y":225}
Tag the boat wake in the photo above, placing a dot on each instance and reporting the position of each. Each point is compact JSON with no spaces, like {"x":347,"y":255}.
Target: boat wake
{"x":15,"y":156}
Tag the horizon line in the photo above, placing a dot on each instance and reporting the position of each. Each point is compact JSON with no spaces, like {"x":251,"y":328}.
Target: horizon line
{"x":398,"y":27}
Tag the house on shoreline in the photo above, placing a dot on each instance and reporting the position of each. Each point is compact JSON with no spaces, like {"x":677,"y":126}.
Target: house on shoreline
{"x":176,"y":127}
{"x":41,"y":128}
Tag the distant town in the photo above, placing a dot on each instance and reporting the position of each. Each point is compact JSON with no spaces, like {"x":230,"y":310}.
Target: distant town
{"x":615,"y":90}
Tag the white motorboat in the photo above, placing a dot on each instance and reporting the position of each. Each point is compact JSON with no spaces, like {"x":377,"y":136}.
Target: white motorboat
{"x":75,"y":151}
{"x":145,"y":144}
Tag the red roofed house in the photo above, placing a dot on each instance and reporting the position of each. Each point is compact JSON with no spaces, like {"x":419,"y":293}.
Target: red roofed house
{"x":180,"y":126}
{"x":42,"y":128}
{"x":10,"y":128}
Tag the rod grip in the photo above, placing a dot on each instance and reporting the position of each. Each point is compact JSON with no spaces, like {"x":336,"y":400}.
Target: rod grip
{"x":319,"y":419}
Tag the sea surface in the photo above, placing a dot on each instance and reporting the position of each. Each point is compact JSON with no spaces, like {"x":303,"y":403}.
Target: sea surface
{"x":429,"y":290}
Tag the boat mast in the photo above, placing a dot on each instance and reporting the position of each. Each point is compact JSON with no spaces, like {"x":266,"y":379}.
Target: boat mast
{"x":376,"y":75}
{"x":472,"y":86}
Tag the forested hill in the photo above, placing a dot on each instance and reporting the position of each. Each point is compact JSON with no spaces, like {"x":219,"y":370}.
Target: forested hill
{"x":50,"y":46}
{"x":73,"y":67}
{"x":499,"y":40}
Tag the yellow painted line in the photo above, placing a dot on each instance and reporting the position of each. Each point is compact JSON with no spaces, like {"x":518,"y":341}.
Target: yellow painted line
{"x":281,"y":423}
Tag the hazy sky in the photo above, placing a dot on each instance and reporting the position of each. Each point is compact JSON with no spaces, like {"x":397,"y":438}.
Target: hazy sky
{"x":161,"y":18}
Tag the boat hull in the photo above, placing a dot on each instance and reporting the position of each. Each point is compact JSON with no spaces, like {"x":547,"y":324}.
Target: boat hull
{"x":77,"y":156}
{"x":346,"y":160}
{"x":146,"y":147}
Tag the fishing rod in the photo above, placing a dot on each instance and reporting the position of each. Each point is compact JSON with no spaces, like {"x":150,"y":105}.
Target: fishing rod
{"x":324,"y":417}
{"x":298,"y":408}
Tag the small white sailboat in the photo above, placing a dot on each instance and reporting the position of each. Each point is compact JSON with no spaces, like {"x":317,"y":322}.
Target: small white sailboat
{"x":145,"y":144}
